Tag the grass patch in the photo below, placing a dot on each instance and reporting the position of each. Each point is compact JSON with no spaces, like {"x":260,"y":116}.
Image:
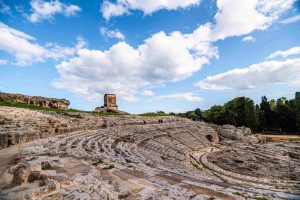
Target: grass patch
{"x":240,"y":194}
{"x":33,"y":107}
{"x":61,"y":111}
{"x":153,"y":114}
{"x":261,"y":198}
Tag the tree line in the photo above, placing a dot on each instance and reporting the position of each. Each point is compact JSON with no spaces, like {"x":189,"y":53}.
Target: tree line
{"x":281,"y":115}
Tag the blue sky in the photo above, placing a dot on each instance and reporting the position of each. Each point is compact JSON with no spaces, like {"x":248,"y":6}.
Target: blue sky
{"x":175,"y":55}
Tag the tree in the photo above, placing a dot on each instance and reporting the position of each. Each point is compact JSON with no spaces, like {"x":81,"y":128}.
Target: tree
{"x":198,"y":113}
{"x":216,"y":114}
{"x":274,"y":115}
{"x":297,"y":104}
{"x":267,"y":113}
{"x":285,"y":116}
{"x":240,"y":111}
{"x":192,"y":116}
{"x":260,"y":118}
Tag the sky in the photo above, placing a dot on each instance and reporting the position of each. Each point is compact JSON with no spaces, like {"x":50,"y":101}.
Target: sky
{"x":172,"y":55}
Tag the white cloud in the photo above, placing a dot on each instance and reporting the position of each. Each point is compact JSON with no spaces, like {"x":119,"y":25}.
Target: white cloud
{"x":254,"y":76}
{"x":162,"y":58}
{"x":71,"y":10}
{"x":186,"y":96}
{"x":240,"y":17}
{"x":3,"y":62}
{"x":57,"y":52}
{"x":42,"y":10}
{"x":27,"y":51}
{"x":111,"y":33}
{"x":126,"y":71}
{"x":109,"y":9}
{"x":147,"y":93}
{"x":291,"y":19}
{"x":248,"y":39}
{"x":4,"y":9}
{"x":121,"y":7}
{"x":284,"y":54}
{"x":23,"y":47}
{"x":296,"y":82}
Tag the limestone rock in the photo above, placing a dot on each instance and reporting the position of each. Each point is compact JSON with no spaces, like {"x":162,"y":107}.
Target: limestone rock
{"x":35,"y":100}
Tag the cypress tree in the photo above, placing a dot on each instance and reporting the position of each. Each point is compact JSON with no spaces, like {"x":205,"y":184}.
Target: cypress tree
{"x":297,"y":103}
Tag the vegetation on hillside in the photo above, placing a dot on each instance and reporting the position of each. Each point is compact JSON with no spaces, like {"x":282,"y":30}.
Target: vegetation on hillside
{"x":62,"y":111}
{"x":281,"y":115}
{"x":154,"y":114}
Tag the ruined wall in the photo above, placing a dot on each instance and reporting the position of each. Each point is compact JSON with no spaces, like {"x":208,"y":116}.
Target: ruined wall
{"x":36,"y":100}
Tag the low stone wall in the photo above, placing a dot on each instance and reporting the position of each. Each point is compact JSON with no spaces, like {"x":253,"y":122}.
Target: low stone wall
{"x":35,"y":100}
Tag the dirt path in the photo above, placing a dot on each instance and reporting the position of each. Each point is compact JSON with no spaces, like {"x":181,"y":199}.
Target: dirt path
{"x":281,"y":138}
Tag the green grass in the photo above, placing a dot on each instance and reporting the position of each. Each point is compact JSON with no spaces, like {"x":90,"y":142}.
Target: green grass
{"x":33,"y":107}
{"x":61,"y":111}
{"x":153,"y":114}
{"x":240,"y":194}
{"x":261,"y":198}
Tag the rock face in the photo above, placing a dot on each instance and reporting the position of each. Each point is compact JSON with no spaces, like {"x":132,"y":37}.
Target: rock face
{"x":89,"y":156}
{"x":235,"y":133}
{"x":36,"y":100}
{"x":18,"y":125}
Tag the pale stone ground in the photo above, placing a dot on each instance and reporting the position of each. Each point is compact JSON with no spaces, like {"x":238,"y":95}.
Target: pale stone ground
{"x":131,"y":157}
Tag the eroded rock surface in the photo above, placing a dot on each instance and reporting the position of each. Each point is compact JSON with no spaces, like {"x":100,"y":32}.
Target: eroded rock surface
{"x":132,"y":157}
{"x":35,"y":100}
{"x":227,"y":131}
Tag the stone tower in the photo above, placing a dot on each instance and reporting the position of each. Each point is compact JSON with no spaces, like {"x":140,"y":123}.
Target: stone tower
{"x":110,"y":101}
{"x":110,"y":104}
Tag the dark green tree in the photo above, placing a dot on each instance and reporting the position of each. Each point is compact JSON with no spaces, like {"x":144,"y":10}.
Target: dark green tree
{"x":267,"y":113}
{"x":240,"y":111}
{"x":297,"y":104}
{"x":198,"y":113}
{"x":216,"y":114}
{"x":285,"y":119}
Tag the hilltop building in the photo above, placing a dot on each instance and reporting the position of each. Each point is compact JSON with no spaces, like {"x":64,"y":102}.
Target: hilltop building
{"x":110,"y":104}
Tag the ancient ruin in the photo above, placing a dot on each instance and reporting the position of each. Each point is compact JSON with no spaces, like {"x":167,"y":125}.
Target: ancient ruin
{"x":48,"y":155}
{"x":35,"y":100}
{"x":110,"y":104}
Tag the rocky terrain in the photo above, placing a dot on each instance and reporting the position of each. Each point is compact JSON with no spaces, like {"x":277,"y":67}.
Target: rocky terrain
{"x":35,"y":100}
{"x":84,"y":156}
